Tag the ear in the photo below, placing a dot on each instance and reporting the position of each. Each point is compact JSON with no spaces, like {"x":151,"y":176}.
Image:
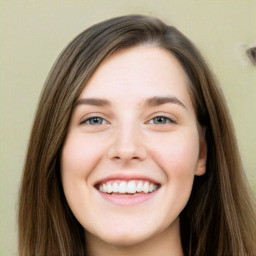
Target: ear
{"x":202,"y":158}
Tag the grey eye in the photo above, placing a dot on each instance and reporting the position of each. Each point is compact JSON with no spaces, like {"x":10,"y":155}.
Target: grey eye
{"x":95,"y":121}
{"x":160,"y":120}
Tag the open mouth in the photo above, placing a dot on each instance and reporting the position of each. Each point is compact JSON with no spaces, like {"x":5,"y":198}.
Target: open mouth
{"x":129,"y":188}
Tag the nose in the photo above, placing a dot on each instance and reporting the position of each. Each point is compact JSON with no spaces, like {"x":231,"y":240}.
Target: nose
{"x":127,"y":144}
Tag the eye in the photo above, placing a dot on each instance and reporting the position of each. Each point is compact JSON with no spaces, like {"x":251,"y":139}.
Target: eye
{"x":95,"y":120}
{"x":161,"y":120}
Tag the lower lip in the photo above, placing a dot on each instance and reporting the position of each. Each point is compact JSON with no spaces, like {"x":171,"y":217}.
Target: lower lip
{"x":128,"y":200}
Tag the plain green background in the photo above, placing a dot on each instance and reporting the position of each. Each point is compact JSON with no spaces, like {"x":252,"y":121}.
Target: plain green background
{"x":34,"y":32}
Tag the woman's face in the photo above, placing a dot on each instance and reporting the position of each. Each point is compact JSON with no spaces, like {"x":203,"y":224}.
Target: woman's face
{"x":133,"y":148}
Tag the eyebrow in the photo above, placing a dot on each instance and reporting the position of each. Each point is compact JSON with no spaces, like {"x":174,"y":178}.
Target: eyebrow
{"x":160,"y":100}
{"x":150,"y":102}
{"x":93,"y":101}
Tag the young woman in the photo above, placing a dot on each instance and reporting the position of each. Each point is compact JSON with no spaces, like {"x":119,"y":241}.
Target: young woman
{"x":132,"y":152}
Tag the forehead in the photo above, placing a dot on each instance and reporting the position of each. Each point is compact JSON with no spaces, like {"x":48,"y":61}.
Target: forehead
{"x":141,"y":72}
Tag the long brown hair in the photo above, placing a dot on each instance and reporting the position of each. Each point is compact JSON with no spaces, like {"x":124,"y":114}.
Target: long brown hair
{"x":220,"y":217}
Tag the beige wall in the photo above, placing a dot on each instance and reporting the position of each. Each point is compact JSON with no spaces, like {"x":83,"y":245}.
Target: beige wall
{"x":34,"y":32}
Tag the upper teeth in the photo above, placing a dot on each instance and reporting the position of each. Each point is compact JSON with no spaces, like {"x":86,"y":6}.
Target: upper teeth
{"x":128,"y":187}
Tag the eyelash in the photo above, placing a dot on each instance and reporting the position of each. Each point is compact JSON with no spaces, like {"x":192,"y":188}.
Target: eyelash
{"x":87,"y":121}
{"x":167,"y":120}
{"x":103,"y":121}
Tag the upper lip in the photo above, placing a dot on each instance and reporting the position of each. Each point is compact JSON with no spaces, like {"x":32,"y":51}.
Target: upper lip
{"x":126,"y":177}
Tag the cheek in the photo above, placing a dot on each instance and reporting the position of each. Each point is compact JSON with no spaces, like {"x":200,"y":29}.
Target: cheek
{"x":78,"y":159}
{"x":79,"y":156}
{"x":177,"y":155}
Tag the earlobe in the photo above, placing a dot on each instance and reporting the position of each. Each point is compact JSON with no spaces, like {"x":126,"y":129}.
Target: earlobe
{"x":202,"y":158}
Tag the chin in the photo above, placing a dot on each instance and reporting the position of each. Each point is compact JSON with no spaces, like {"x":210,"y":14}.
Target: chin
{"x":123,"y":238}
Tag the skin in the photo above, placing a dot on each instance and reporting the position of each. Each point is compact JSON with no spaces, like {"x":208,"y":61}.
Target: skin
{"x":129,"y":142}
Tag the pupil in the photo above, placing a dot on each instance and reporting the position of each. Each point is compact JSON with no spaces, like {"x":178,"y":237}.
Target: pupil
{"x":95,"y":120}
{"x":160,"y":119}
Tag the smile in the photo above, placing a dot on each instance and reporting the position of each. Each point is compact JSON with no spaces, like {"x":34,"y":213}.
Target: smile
{"x":122,"y":187}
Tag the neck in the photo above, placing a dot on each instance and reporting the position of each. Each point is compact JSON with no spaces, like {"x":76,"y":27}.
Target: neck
{"x":165,"y":243}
